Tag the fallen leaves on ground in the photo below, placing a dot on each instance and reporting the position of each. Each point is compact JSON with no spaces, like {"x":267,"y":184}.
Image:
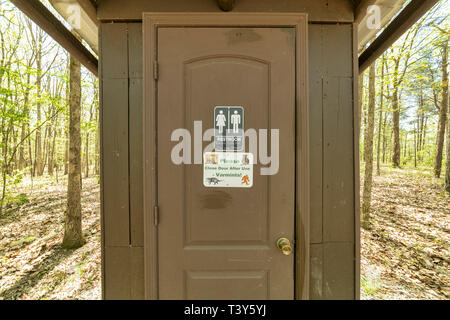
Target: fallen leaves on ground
{"x":33,"y":265}
{"x":405,"y":254}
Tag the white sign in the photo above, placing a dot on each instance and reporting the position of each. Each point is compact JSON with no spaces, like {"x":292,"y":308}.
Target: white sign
{"x":228,"y":169}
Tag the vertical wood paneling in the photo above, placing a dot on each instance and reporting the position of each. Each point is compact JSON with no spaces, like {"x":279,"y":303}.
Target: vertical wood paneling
{"x":118,"y":275}
{"x":338,"y":205}
{"x":136,"y":164}
{"x":137,"y":273}
{"x":332,"y":162}
{"x":338,"y":270}
{"x":136,"y":122}
{"x":315,"y":115}
{"x":122,"y":161}
{"x":114,"y":58}
{"x":316,"y":270}
{"x":337,"y":50}
{"x":115,"y":162}
{"x":114,"y":50}
{"x":135,"y":50}
{"x":356,"y":162}
{"x":125,"y":279}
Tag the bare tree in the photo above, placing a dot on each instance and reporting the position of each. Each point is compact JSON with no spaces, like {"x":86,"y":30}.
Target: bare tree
{"x":368,"y":151}
{"x":380,"y":115}
{"x":447,"y":163}
{"x":442,"y":111}
{"x":73,"y":236}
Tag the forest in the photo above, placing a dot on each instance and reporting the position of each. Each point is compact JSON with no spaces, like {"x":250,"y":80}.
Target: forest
{"x":34,"y":129}
{"x":50,"y":166}
{"x":405,"y":165}
{"x":404,"y":104}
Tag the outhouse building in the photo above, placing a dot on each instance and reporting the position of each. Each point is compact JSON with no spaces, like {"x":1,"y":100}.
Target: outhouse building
{"x":229,"y":140}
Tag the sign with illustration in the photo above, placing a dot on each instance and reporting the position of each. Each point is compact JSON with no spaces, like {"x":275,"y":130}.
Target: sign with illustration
{"x":228,"y":169}
{"x":229,"y":128}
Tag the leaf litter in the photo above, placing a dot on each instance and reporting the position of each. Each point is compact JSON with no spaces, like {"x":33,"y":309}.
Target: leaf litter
{"x":33,"y":265}
{"x":405,"y":254}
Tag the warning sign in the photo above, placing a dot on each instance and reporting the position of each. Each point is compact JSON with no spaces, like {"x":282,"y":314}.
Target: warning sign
{"x":229,"y":128}
{"x":228,"y":169}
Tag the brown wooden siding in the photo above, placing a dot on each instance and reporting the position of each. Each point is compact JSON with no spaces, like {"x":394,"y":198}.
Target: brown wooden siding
{"x":122,"y":217}
{"x":332,"y":247}
{"x":317,"y":10}
{"x":332,"y":254}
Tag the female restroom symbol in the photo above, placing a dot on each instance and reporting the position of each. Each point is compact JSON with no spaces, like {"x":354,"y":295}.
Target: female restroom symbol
{"x":221,"y":121}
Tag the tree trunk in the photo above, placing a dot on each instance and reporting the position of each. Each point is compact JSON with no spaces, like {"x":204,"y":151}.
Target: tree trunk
{"x":416,"y":133}
{"x":442,"y":113}
{"x":384,"y":137}
{"x":406,"y":145}
{"x":30,"y":154}
{"x":66,"y":152}
{"x":380,"y":116}
{"x":22,"y":162}
{"x":360,"y":100}
{"x":424,"y":135}
{"x":447,"y":163}
{"x":97,"y":144}
{"x":38,"y":144}
{"x":91,"y":115}
{"x":86,"y":156}
{"x":52,"y":147}
{"x":73,"y":236}
{"x":396,"y":129}
{"x":368,"y":151}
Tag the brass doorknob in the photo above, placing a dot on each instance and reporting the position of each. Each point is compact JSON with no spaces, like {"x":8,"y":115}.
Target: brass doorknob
{"x":285,"y":246}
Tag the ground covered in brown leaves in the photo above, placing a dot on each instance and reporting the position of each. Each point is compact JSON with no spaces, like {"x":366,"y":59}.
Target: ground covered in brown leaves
{"x":405,"y":255}
{"x":32,"y":263}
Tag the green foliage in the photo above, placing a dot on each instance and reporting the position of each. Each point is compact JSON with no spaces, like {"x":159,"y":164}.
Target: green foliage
{"x":34,"y":98}
{"x":369,"y":286}
{"x":413,"y":66}
{"x":22,"y":199}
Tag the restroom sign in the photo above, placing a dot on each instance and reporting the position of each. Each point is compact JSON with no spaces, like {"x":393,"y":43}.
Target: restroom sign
{"x":229,"y":128}
{"x":228,"y":169}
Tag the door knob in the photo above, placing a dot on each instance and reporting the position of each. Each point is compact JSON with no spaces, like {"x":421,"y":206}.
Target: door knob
{"x":285,"y":246}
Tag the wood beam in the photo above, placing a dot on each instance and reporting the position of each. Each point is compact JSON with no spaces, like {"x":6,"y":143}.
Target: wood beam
{"x":40,"y":15}
{"x":90,"y":10}
{"x":409,"y":15}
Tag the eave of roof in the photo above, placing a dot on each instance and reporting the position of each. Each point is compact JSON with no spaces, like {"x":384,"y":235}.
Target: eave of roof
{"x":86,"y":25}
{"x":387,"y":10}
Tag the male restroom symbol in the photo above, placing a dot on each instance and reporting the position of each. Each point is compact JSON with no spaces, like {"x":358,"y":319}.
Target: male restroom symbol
{"x":235,"y":121}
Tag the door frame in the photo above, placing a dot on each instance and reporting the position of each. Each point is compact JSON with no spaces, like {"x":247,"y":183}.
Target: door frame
{"x":151,"y":23}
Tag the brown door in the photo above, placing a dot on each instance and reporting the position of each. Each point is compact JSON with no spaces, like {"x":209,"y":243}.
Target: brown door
{"x":220,"y":243}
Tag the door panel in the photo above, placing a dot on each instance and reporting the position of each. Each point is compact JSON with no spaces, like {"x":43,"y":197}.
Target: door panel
{"x":220,"y":243}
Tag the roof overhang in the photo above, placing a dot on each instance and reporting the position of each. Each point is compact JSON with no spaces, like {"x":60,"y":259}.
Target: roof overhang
{"x":393,"y":30}
{"x":42,"y":16}
{"x":372,"y":42}
{"x":86,"y":24}
{"x":387,"y":10}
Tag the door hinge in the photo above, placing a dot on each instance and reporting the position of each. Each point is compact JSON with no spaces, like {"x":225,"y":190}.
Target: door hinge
{"x":156,"y":215}
{"x":155,"y":70}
